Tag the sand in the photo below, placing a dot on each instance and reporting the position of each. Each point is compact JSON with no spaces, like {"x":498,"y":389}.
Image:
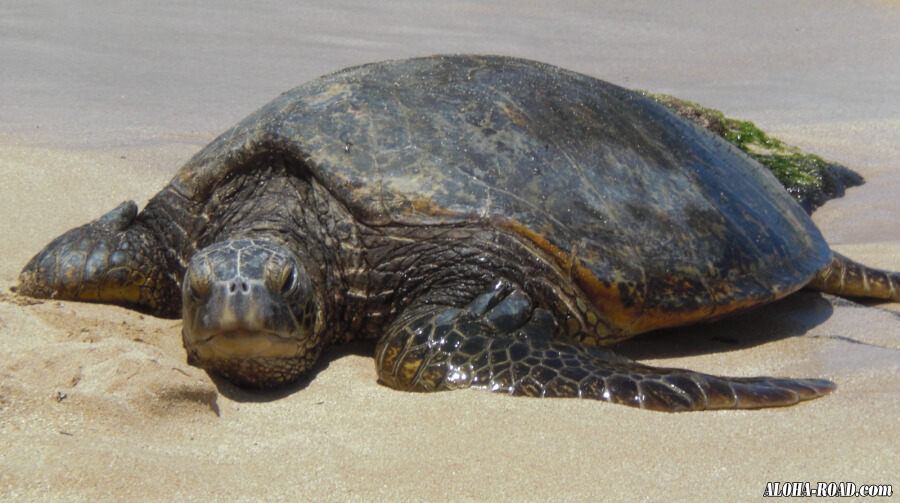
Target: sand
{"x":103,"y":103}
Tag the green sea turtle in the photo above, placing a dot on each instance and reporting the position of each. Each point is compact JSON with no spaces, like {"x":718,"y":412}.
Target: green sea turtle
{"x":491,"y":221}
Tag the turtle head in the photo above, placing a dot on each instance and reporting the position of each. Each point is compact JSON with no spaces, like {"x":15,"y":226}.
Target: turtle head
{"x":250,"y":314}
{"x":114,"y":259}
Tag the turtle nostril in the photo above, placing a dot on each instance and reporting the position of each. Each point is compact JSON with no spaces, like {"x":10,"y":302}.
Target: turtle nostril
{"x":238,"y":283}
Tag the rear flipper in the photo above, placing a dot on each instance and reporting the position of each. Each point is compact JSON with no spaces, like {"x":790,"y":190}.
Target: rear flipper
{"x":498,"y":342}
{"x":847,"y":278}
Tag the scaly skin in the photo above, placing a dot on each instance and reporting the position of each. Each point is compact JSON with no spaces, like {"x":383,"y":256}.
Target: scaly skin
{"x":114,"y":259}
{"x":499,"y":343}
{"x":847,"y":278}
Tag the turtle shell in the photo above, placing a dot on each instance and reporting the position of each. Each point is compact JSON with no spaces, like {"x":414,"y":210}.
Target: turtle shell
{"x":658,"y":221}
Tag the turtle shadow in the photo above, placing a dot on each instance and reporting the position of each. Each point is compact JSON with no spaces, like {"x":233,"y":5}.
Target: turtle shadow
{"x":330,"y":354}
{"x":792,"y":316}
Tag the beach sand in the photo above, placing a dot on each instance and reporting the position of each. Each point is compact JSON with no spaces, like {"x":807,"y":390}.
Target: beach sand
{"x":103,"y":104}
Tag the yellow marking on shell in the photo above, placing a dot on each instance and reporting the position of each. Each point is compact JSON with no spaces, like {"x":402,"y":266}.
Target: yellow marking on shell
{"x":514,"y":115}
{"x":428,"y":207}
{"x":604,"y":296}
{"x":726,"y":300}
{"x":630,"y":319}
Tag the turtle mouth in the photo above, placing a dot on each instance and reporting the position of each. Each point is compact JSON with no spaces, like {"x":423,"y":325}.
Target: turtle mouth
{"x":231,"y":344}
{"x":250,"y":359}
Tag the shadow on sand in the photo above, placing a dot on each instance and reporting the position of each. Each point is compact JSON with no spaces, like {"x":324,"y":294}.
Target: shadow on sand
{"x":229,"y":390}
{"x":792,"y":316}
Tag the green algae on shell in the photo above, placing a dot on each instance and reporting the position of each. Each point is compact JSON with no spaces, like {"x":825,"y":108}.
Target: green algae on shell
{"x":810,"y":179}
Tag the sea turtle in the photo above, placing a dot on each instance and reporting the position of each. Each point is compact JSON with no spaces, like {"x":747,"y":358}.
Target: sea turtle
{"x":491,"y":221}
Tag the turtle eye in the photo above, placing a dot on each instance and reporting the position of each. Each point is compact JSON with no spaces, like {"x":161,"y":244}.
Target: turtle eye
{"x":281,"y":277}
{"x":289,"y":280}
{"x":196,"y":285}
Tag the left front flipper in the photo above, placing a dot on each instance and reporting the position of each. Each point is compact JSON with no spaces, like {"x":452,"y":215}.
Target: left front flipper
{"x":499,"y":342}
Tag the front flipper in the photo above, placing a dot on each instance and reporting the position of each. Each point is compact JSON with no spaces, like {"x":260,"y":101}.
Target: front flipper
{"x":114,"y":259}
{"x":498,"y":342}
